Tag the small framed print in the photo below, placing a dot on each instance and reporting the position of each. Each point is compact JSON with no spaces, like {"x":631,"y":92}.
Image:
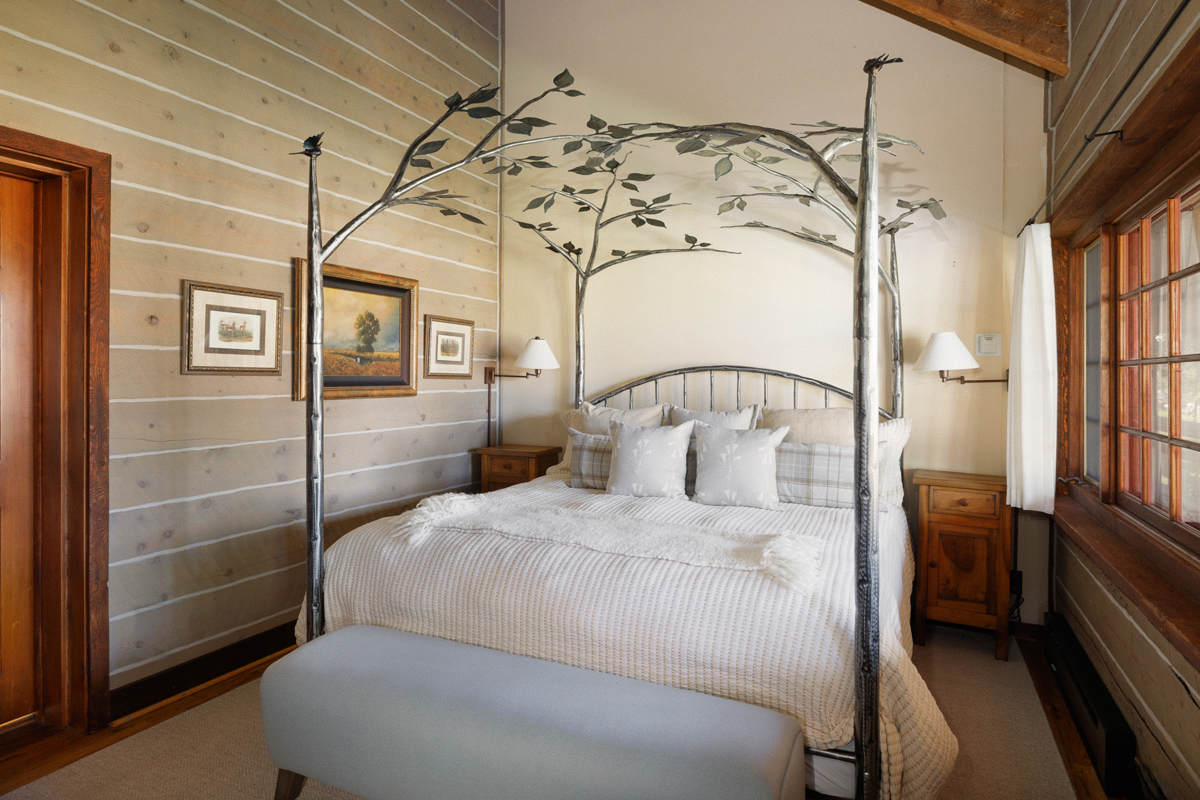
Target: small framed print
{"x":449,"y":347}
{"x":231,"y":331}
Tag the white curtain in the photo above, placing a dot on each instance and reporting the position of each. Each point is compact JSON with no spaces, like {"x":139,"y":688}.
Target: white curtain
{"x":1033,"y":376}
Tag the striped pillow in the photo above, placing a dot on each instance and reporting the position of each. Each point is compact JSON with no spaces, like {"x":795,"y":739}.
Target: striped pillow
{"x":815,"y":474}
{"x":591,"y":460}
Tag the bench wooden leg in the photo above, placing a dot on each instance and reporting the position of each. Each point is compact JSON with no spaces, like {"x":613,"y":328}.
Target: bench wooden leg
{"x":288,"y":785}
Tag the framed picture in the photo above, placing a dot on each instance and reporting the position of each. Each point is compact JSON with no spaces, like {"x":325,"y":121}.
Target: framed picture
{"x":231,"y":331}
{"x":370,"y":338}
{"x":449,"y":347}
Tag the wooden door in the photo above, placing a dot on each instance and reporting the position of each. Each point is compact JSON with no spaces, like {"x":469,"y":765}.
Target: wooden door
{"x":18,"y":389}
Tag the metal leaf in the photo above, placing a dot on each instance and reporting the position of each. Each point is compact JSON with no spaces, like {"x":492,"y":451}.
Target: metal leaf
{"x":421,"y":162}
{"x":752,"y":153}
{"x":661,"y":199}
{"x":470,"y":218}
{"x":690,"y":239}
{"x":658,"y":223}
{"x":618,"y":253}
{"x":453,"y":100}
{"x":520,"y":128}
{"x":628,"y":185}
{"x":638,"y":222}
{"x":536,"y":203}
{"x":535,"y":122}
{"x":583,"y":171}
{"x":549,"y":203}
{"x":587,"y":191}
{"x":495,"y":170}
{"x":722,"y":167}
{"x":725,"y":207}
{"x":571,"y":147}
{"x":636,"y":203}
{"x":516,"y":170}
{"x":596,"y":124}
{"x":770,"y":160}
{"x":735,"y":141}
{"x":539,"y":164}
{"x":937,"y":211}
{"x":573,"y":93}
{"x":480,"y":112}
{"x":639,"y":176}
{"x":690,"y":145}
{"x":563,"y":79}
{"x":430,"y":147}
{"x":618,"y":132}
{"x":527,"y":225}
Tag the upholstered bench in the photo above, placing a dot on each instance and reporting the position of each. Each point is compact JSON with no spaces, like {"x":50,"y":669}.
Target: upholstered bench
{"x":401,"y":716}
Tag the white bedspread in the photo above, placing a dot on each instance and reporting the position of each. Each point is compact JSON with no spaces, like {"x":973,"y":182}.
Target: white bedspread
{"x":715,"y":623}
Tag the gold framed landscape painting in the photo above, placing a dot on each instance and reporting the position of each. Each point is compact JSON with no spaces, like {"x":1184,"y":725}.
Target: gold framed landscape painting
{"x":370,"y":333}
{"x":231,"y":331}
{"x":449,"y":347}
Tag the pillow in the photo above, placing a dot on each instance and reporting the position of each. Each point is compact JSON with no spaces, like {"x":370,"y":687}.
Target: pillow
{"x":813,"y":425}
{"x":595,"y":420}
{"x":737,"y":468}
{"x":893,"y":436}
{"x":648,"y":462}
{"x":591,"y":457}
{"x":815,"y":474}
{"x":835,"y":426}
{"x":741,"y":420}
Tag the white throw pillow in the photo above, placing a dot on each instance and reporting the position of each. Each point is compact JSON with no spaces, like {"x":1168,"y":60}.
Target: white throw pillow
{"x":893,"y":436}
{"x":591,"y":460}
{"x":737,"y":468}
{"x":596,"y":419}
{"x":742,"y":419}
{"x":648,"y":462}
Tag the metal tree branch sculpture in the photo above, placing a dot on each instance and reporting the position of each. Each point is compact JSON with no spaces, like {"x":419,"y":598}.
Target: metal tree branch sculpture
{"x":401,"y":190}
{"x":641,"y":214}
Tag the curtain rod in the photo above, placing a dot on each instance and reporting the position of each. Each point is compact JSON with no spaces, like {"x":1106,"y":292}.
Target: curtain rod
{"x":1095,"y":131}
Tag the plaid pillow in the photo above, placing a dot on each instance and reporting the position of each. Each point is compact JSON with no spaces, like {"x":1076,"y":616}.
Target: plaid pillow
{"x":591,"y":460}
{"x":815,"y":474}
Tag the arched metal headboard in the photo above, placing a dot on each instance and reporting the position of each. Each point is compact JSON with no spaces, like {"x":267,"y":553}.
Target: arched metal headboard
{"x":766,"y":374}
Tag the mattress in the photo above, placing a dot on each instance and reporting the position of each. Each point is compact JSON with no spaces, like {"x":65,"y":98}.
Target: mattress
{"x":725,"y":630}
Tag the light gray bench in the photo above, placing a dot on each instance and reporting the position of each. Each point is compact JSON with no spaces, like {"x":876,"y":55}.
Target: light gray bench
{"x":400,"y":716}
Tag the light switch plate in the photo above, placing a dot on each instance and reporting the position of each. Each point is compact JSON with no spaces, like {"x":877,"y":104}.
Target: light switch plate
{"x":987,"y":344}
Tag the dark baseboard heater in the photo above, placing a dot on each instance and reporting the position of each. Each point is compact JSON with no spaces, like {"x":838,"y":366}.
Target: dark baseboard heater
{"x":1108,"y":737}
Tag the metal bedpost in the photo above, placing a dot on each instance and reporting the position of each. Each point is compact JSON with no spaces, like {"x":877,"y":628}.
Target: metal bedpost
{"x":315,"y":408}
{"x":866,"y":428}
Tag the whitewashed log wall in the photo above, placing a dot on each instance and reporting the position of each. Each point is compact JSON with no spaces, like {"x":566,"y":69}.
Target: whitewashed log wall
{"x":1108,"y":40}
{"x":199,"y":102}
{"x":1157,"y":690}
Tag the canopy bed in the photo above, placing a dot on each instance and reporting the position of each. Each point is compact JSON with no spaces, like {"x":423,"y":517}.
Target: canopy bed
{"x":793,"y":607}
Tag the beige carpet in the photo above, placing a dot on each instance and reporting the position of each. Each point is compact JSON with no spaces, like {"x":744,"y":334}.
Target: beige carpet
{"x":1006,"y":750}
{"x":216,"y":751}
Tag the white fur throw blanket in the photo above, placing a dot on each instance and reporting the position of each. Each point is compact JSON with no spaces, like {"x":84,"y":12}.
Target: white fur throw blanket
{"x":785,"y":557}
{"x":756,"y":605}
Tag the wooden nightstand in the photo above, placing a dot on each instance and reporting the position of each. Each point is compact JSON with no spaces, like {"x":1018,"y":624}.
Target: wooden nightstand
{"x":963,"y":553}
{"x":514,"y":463}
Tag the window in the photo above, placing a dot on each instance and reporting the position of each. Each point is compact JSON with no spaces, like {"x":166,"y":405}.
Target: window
{"x":1092,"y":350}
{"x":1157,"y":395}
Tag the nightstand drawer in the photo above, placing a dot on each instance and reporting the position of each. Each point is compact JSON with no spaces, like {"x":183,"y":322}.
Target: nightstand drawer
{"x":964,"y":501}
{"x":501,"y":467}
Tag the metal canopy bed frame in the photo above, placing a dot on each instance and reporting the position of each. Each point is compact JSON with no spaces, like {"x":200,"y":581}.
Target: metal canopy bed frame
{"x":867,"y":275}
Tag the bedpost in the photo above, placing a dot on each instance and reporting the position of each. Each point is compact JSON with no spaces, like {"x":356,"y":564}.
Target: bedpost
{"x":866,"y":429}
{"x":315,"y":407}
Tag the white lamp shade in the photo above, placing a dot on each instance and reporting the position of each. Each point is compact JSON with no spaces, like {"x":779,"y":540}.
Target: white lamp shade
{"x":536,"y":355}
{"x":945,"y":351}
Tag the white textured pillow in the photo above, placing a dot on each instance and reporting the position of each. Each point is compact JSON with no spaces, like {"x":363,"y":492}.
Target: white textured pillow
{"x":591,"y":460}
{"x":596,"y":419}
{"x":648,"y":462}
{"x":815,"y":474}
{"x":893,"y":436}
{"x":737,"y":468}
{"x":742,"y":419}
{"x":813,"y":425}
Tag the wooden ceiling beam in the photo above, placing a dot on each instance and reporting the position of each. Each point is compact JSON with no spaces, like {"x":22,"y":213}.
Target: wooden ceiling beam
{"x":1031,"y":30}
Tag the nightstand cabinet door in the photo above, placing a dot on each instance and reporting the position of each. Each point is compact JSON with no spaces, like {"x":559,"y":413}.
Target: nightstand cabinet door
{"x":508,"y":465}
{"x":961,"y":574}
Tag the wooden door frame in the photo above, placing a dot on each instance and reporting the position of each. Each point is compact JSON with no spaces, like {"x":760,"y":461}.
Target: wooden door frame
{"x":72,"y":445}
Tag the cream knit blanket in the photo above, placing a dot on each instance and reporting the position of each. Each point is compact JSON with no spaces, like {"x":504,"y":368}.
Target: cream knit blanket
{"x":789,"y":559}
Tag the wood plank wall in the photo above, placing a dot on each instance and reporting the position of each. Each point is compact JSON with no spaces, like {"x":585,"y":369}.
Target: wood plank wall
{"x":200,"y":102}
{"x":1108,"y":40}
{"x":1157,"y":690}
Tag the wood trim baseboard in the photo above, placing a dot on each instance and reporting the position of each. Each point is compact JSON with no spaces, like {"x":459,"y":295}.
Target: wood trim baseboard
{"x":183,"y":678}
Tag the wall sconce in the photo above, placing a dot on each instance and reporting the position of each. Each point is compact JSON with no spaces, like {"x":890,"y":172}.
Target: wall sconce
{"x":944,"y":352}
{"x":536,"y":356}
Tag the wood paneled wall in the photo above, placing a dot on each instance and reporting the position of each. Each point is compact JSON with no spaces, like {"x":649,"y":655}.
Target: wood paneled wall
{"x":1108,"y":40}
{"x":200,"y":102}
{"x":1157,"y":690}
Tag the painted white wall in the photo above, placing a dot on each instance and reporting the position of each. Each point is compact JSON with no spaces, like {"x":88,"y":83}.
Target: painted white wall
{"x":780,"y":303}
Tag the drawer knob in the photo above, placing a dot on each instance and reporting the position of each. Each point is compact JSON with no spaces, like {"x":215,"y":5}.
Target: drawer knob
{"x":964,"y":502}
{"x":933,"y":565}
